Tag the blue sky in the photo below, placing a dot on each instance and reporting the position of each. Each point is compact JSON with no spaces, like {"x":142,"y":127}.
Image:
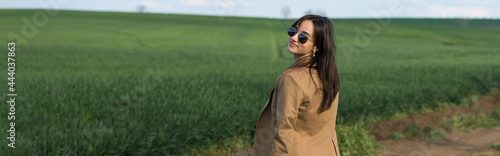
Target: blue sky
{"x":273,"y":9}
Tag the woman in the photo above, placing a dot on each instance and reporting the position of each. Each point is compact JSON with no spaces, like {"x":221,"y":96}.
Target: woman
{"x":299,"y":117}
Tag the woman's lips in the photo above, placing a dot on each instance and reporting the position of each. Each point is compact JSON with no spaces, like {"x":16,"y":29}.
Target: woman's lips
{"x":292,"y":44}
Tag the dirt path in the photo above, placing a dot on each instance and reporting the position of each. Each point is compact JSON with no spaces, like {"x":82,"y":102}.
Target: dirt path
{"x":382,"y":130}
{"x":477,"y":141}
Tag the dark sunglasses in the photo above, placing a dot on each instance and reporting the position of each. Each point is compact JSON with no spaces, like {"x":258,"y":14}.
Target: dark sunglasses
{"x":302,"y":38}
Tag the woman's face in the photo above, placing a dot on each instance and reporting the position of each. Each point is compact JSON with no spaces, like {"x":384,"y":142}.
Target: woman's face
{"x":297,"y":48}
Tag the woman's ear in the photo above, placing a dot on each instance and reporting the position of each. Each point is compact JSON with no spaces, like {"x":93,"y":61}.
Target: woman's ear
{"x":315,"y":49}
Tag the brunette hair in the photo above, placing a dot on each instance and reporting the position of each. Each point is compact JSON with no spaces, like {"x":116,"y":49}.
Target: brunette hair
{"x":324,"y":59}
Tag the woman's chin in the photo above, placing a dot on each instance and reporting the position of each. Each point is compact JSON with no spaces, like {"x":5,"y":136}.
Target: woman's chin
{"x":295,"y":53}
{"x":292,"y":49}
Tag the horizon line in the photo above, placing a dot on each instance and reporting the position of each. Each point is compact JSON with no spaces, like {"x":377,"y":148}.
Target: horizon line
{"x":240,"y":16}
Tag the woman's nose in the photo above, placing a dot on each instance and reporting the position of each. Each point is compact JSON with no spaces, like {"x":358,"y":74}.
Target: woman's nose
{"x":295,"y":37}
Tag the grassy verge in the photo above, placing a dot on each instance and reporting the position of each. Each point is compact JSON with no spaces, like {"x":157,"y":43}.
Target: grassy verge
{"x":355,"y":140}
{"x":459,"y":122}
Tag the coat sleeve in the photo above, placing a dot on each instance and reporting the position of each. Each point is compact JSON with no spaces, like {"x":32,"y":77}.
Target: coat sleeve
{"x":289,"y":97}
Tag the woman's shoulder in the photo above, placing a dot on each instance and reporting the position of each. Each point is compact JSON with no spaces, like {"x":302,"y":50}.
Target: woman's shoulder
{"x":298,"y":75}
{"x":302,"y":77}
{"x":298,"y":72}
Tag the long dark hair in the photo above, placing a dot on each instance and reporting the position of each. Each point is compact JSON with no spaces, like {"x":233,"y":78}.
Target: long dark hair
{"x":324,"y":59}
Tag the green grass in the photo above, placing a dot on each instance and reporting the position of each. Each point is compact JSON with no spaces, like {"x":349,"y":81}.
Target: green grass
{"x":353,"y":140}
{"x":496,"y":146}
{"x":94,"y":83}
{"x":457,"y":122}
{"x":467,"y":121}
{"x":430,"y":133}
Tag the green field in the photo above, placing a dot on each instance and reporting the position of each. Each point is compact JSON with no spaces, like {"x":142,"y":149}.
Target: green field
{"x":94,"y":83}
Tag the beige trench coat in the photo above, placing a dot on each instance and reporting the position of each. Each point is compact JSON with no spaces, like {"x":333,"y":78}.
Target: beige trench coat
{"x":289,"y":124}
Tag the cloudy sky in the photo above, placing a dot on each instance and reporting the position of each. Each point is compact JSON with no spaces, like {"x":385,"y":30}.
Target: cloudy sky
{"x":273,"y":9}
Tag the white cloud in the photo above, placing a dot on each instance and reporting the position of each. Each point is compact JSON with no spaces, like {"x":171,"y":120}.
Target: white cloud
{"x":455,"y":11}
{"x":195,"y":2}
{"x":418,"y":2}
{"x":153,"y":4}
{"x":247,"y":3}
{"x":481,"y":2}
{"x":224,"y":6}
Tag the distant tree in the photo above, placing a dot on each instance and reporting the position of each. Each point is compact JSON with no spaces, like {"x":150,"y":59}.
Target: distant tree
{"x":309,"y":11}
{"x":285,"y":10}
{"x":318,"y":11}
{"x":141,"y":8}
